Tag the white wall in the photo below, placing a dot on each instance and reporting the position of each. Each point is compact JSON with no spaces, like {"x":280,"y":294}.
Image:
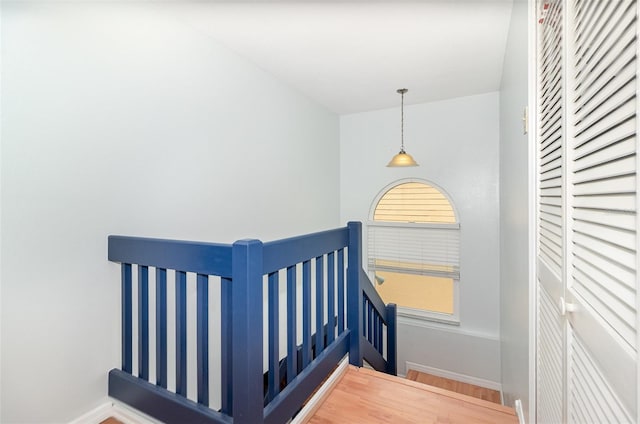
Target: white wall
{"x":514,"y":214}
{"x":117,"y":119}
{"x":456,"y":144}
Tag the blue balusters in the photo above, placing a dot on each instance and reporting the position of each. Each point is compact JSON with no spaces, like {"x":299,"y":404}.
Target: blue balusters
{"x":292,"y":329}
{"x":274,"y":335}
{"x":319,"y":305}
{"x":331,"y":298}
{"x":226,"y":343}
{"x":127,"y":319}
{"x":202,"y":339}
{"x":143,"y":322}
{"x":161,"y":327}
{"x":341,"y":291}
{"x":181,"y":333}
{"x":306,"y":313}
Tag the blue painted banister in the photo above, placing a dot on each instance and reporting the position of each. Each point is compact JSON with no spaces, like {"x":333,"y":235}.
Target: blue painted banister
{"x":392,"y":339}
{"x":354,"y":292}
{"x":247,"y":298}
{"x":347,"y":317}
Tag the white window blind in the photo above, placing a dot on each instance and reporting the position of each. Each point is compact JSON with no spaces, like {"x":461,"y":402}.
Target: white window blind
{"x":416,"y":249}
{"x":414,"y":202}
{"x":414,"y":231}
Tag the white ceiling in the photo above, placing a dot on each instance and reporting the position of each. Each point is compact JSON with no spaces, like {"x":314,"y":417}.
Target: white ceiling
{"x":352,"y":56}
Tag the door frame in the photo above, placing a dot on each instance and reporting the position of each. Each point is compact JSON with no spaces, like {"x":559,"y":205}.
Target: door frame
{"x":532,"y":206}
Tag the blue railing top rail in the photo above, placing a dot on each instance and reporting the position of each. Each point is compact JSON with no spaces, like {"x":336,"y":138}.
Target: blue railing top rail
{"x":215,"y":258}
{"x":188,"y":256}
{"x":282,"y":253}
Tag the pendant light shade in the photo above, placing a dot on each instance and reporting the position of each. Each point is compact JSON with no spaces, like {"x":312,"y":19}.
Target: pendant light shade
{"x":402,"y":158}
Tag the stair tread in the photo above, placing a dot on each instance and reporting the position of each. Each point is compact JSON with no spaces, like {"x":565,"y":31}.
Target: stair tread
{"x":367,"y":396}
{"x":455,"y":386}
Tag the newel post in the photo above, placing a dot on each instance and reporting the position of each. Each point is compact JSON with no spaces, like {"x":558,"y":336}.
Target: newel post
{"x":392,"y":339}
{"x":354,"y":292}
{"x":247,"y":350}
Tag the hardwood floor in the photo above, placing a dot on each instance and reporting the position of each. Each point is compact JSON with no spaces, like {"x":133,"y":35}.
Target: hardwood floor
{"x":365,"y":396}
{"x":455,"y":386}
{"x":111,"y":420}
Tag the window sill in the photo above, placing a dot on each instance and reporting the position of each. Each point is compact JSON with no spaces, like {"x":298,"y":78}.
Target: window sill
{"x":426,"y":316}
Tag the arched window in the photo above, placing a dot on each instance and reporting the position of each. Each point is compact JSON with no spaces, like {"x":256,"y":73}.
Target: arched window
{"x":414,"y":249}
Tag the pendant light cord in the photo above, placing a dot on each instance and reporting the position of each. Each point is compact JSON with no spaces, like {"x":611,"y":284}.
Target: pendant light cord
{"x":402,"y":91}
{"x":402,"y":121}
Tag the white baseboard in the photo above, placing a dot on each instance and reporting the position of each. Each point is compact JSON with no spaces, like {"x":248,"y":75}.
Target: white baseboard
{"x":316,"y":400}
{"x":116,"y":410}
{"x":519,"y":411}
{"x":493,"y":385}
{"x":96,"y":415}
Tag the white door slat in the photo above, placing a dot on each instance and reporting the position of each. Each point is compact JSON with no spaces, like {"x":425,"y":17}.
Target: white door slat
{"x":549,"y":358}
{"x":607,"y":357}
{"x":550,"y":183}
{"x":619,"y":292}
{"x":622,"y":221}
{"x":550,"y":200}
{"x":603,"y":110}
{"x":594,"y":394}
{"x":601,"y":54}
{"x":618,"y":114}
{"x":584,"y":25}
{"x":618,"y":316}
{"x":551,"y":210}
{"x":552,"y":107}
{"x":618,"y":185}
{"x":554,"y":236}
{"x":612,"y":152}
{"x":625,"y":203}
{"x":552,"y":131}
{"x":549,"y":145}
{"x":622,"y":256}
{"x":615,"y":133}
{"x":618,"y":167}
{"x":614,"y":236}
{"x":553,"y":174}
{"x":621,"y":274}
{"x":615,"y":79}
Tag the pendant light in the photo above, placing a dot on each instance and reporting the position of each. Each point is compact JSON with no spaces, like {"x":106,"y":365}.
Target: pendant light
{"x":403,"y":158}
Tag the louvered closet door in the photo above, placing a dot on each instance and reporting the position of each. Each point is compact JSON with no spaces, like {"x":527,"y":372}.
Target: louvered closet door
{"x":550,"y":150}
{"x":601,"y":281}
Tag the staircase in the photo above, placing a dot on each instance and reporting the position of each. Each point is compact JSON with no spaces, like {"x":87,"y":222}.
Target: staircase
{"x":455,"y":386}
{"x":367,"y":396}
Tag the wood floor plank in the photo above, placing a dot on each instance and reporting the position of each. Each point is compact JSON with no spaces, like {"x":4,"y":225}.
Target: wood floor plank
{"x":364,"y":396}
{"x":111,"y":420}
{"x":455,"y":386}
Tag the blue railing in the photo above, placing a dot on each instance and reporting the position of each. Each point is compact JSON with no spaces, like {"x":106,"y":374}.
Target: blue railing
{"x":311,"y":291}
